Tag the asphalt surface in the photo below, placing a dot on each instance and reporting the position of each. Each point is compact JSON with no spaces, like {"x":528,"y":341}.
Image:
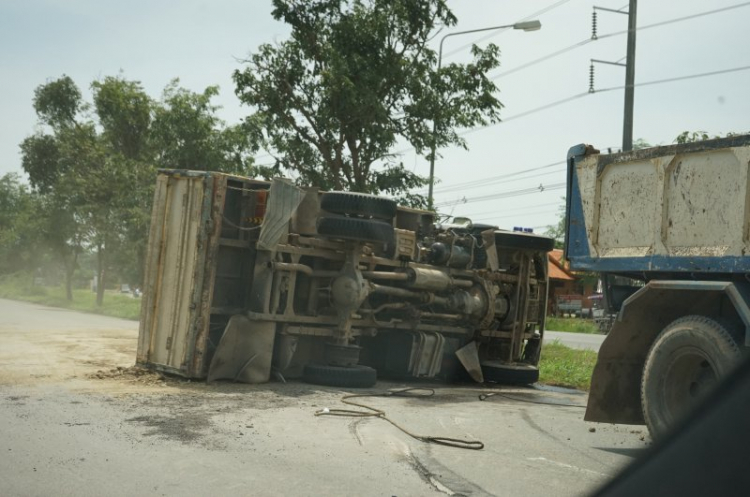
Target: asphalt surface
{"x":74,"y":424}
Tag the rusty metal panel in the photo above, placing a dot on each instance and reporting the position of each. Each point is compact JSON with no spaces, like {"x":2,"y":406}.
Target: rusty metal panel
{"x":177,"y":250}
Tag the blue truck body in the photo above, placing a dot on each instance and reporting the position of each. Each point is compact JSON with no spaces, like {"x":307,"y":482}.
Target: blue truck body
{"x":668,"y":229}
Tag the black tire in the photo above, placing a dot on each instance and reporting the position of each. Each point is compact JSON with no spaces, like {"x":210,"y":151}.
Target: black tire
{"x":340,"y":376}
{"x":509,"y":374}
{"x":358,"y":204}
{"x":523,"y":241}
{"x":686,"y":361}
{"x":352,"y":228}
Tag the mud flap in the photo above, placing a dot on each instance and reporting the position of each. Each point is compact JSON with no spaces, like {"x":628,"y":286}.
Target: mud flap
{"x":469,"y":357}
{"x":245,"y":351}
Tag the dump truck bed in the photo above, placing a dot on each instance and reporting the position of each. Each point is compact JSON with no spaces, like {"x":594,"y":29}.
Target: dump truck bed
{"x":677,"y":208}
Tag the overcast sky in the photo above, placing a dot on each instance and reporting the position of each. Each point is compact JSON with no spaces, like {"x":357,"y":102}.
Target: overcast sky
{"x":202,"y":42}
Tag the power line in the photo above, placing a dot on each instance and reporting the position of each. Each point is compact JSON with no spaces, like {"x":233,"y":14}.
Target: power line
{"x":585,"y":94}
{"x":497,"y":179}
{"x":499,"y":214}
{"x":500,"y":31}
{"x":581,"y":95}
{"x":679,"y":19}
{"x":508,"y":194}
{"x":542,"y":59}
{"x":679,"y":78}
{"x":519,"y":208}
{"x":528,"y":112}
{"x":617,"y":33}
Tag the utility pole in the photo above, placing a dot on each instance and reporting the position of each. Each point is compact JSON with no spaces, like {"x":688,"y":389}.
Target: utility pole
{"x":627,"y":125}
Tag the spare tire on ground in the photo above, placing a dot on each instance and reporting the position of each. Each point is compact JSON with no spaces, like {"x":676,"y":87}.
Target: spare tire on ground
{"x":340,"y":376}
{"x":509,"y":374}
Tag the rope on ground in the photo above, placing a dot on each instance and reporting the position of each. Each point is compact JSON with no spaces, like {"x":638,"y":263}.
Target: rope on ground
{"x":485,"y":396}
{"x":371,"y":412}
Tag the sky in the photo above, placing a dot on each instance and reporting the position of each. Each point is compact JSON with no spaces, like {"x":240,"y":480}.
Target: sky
{"x":512,"y":173}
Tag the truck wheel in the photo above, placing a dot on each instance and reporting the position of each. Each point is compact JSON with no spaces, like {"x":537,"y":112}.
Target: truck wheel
{"x":358,"y":204}
{"x":524,"y":241}
{"x":687,"y":360}
{"x":352,"y":228}
{"x":509,"y":374}
{"x":340,"y":376}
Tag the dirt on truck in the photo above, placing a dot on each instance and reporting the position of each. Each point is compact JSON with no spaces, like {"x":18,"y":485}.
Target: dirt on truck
{"x":248,"y":280}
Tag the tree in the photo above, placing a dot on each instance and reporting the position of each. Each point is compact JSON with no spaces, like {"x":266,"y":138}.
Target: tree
{"x":354,"y":78}
{"x":93,"y":165}
{"x":187,"y":134}
{"x":557,"y":231}
{"x":119,"y":184}
{"x":19,"y":226}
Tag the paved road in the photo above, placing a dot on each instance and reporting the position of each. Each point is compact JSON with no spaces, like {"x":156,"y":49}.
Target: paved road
{"x":575,"y":340}
{"x":68,"y":429}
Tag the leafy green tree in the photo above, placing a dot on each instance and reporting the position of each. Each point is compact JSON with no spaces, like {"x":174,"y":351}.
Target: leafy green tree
{"x":19,"y":226}
{"x":93,"y":165}
{"x":354,"y":78}
{"x":82,"y":172}
{"x":47,"y":157}
{"x":557,"y":231}
{"x":694,"y":136}
{"x":124,"y":111}
{"x":188,"y":134}
{"x":119,"y":186}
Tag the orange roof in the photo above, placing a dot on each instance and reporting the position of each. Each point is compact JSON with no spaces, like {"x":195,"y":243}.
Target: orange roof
{"x":555,"y":273}
{"x":557,"y":254}
{"x":555,"y":266}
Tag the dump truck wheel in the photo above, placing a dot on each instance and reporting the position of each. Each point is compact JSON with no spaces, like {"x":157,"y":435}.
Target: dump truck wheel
{"x":523,"y":241}
{"x":509,"y":374}
{"x":340,"y":376}
{"x":686,"y":361}
{"x":352,"y":228}
{"x":358,"y":204}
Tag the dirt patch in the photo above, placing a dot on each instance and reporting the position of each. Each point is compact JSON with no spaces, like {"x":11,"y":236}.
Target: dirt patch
{"x":134,"y":374}
{"x":185,"y":428}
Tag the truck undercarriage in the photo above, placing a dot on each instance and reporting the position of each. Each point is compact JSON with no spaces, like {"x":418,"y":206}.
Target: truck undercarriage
{"x":333,"y":287}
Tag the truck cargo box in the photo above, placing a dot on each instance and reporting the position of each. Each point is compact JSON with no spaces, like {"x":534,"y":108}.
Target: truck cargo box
{"x":198,"y":267}
{"x":678,"y":208}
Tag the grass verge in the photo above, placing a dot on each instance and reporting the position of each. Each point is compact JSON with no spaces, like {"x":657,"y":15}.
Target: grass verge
{"x":572,"y":325}
{"x":565,"y":367}
{"x":116,"y":305}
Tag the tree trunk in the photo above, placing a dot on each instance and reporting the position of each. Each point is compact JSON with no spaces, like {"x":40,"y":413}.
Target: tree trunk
{"x":69,"y":263}
{"x":100,"y":279}
{"x":69,"y":284}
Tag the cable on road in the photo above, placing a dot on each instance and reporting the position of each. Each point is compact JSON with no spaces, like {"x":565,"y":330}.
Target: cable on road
{"x":485,"y":396}
{"x":371,"y":412}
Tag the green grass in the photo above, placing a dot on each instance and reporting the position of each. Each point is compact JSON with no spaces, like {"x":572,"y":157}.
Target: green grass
{"x":565,"y":367}
{"x":18,"y":287}
{"x":572,"y":325}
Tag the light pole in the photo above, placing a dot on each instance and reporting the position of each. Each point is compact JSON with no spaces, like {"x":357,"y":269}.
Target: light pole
{"x":525,"y":26}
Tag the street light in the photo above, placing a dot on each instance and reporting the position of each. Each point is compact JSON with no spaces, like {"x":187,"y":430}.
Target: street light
{"x":525,"y":26}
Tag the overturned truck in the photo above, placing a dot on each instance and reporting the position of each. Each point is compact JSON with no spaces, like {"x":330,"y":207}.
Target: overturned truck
{"x":249,"y":279}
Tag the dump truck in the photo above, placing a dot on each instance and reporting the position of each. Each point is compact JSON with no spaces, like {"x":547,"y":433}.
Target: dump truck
{"x":669,"y":230}
{"x":248,"y":280}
